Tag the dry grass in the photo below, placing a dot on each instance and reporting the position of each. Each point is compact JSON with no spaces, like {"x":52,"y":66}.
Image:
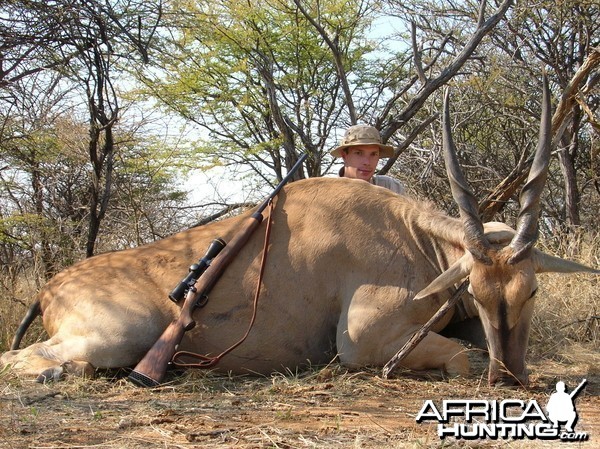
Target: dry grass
{"x":567,"y":310}
{"x":15,"y":297}
{"x":325,"y":408}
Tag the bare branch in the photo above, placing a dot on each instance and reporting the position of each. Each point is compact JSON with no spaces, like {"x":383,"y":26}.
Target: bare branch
{"x":496,"y":200}
{"x":417,"y":53}
{"x":406,"y":143}
{"x":569,"y":95}
{"x":446,"y":74}
{"x":337,"y":57}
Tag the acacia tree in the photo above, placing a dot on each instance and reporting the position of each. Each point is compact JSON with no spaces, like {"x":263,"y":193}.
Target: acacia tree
{"x":84,"y":41}
{"x":258,"y":80}
{"x":561,"y":36}
{"x":58,"y":170}
{"x":44,"y":186}
{"x":104,"y":33}
{"x":496,"y":100}
{"x":37,"y":160}
{"x":270,"y":80}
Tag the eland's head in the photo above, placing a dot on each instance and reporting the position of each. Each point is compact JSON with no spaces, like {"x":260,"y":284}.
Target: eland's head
{"x":501,"y":264}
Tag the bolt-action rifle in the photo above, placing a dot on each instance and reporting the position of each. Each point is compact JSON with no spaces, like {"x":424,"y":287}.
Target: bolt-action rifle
{"x":151,"y":370}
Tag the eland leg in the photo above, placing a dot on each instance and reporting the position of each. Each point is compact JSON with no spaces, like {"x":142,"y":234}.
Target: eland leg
{"x":376,"y":324}
{"x":45,"y":361}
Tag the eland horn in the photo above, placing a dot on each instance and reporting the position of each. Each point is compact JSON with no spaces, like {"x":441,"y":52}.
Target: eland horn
{"x":527,"y":220}
{"x":475,"y":240}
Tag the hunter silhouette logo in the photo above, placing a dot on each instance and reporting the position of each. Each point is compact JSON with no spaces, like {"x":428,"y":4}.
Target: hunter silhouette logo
{"x":507,"y":419}
{"x":561,"y":406}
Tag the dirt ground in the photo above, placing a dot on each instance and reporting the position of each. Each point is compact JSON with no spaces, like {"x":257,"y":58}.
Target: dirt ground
{"x":326,"y":407}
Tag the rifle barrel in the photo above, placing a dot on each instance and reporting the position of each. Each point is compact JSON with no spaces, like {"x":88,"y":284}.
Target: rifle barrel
{"x":283,"y":182}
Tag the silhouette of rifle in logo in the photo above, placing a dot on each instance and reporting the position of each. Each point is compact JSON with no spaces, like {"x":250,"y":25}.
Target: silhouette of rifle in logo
{"x":576,"y":391}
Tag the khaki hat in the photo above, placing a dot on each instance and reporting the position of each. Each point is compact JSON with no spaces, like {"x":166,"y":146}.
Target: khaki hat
{"x":363,"y":135}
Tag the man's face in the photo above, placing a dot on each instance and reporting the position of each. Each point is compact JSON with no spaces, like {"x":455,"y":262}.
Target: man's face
{"x":361,"y":161}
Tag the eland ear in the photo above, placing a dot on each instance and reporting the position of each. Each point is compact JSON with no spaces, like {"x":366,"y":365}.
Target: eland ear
{"x":455,"y":273}
{"x":545,"y":263}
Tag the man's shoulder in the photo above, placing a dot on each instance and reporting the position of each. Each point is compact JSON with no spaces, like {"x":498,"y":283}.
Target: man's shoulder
{"x":389,"y":183}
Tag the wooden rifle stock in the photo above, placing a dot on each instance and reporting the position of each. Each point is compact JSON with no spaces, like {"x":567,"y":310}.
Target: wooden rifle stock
{"x":151,"y":370}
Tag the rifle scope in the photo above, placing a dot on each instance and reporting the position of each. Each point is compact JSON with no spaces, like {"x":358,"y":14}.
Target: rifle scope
{"x":196,"y":270}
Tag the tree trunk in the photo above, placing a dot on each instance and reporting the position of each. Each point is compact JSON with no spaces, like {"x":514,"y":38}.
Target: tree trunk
{"x":567,"y":167}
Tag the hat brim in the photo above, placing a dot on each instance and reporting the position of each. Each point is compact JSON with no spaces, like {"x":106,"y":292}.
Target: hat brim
{"x":384,"y":150}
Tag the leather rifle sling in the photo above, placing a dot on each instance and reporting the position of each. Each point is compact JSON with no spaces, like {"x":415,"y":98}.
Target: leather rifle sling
{"x":208,"y":361}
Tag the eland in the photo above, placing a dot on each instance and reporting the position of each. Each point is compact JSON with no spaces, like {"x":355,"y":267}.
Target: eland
{"x":353,"y":270}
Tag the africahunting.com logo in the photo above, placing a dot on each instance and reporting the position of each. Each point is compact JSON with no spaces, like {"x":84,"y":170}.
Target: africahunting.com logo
{"x":472,"y":419}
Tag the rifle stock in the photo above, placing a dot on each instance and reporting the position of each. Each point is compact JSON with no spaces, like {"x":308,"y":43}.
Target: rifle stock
{"x":151,"y":370}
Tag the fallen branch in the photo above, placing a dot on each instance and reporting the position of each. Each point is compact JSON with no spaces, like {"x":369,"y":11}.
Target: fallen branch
{"x":583,"y":320}
{"x":496,"y":200}
{"x":422,"y":333}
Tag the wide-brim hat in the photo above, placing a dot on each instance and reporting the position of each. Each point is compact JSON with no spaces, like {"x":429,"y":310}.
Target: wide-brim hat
{"x":362,"y":135}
